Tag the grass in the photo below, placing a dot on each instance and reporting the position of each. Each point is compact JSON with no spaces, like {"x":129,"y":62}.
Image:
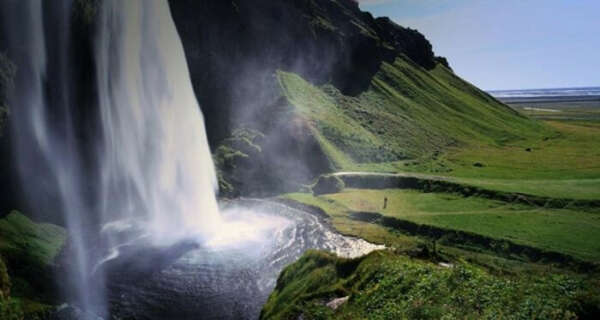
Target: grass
{"x":562,"y":230}
{"x":560,"y":110}
{"x":432,"y":122}
{"x":408,"y":112}
{"x":574,"y":153}
{"x":565,"y":164}
{"x":341,"y":221}
{"x":384,"y":285}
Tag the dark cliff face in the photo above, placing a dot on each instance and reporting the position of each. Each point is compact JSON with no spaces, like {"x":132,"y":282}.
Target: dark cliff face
{"x":7,"y":71}
{"x":234,"y":47}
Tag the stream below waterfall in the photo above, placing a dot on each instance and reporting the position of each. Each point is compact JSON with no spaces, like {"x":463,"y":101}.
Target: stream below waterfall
{"x":227,"y":280}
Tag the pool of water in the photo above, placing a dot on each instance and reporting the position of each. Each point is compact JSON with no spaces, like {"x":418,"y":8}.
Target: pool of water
{"x":229,"y":277}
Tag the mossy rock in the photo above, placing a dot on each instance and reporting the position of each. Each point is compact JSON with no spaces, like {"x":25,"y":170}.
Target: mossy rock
{"x":328,"y":184}
{"x":4,"y":281}
{"x":29,"y":250}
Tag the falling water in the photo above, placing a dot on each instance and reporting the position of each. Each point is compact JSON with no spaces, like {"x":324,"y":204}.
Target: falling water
{"x":132,"y":174}
{"x":151,"y":161}
{"x":156,"y":162}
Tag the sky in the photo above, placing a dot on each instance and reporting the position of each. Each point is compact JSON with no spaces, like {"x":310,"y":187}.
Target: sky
{"x":507,"y":44}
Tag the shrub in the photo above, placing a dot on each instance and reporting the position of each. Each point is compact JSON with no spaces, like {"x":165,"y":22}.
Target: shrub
{"x":10,"y":309}
{"x":4,"y":281}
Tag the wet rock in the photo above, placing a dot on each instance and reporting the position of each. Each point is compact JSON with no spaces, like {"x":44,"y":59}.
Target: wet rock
{"x":336,"y":303}
{"x":328,"y":184}
{"x":68,"y":312}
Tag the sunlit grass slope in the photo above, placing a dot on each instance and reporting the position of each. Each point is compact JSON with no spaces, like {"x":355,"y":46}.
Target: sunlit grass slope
{"x":408,"y":112}
{"x":433,"y":122}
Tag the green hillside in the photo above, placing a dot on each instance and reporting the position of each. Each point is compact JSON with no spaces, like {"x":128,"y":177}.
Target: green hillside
{"x":384,"y":285}
{"x":408,"y":112}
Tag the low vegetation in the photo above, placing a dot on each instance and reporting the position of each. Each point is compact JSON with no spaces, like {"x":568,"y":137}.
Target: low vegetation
{"x":407,"y":112}
{"x":567,"y":231}
{"x":28,"y":252}
{"x":385,"y":285}
{"x":562,"y":165}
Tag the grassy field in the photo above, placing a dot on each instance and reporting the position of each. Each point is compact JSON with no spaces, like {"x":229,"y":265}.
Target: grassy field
{"x":566,"y":231}
{"x":560,"y":110}
{"x":384,"y":285}
{"x":573,"y":153}
{"x":342,"y":222}
{"x":565,"y":164}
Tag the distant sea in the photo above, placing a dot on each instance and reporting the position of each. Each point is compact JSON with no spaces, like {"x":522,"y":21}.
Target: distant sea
{"x":561,"y":94}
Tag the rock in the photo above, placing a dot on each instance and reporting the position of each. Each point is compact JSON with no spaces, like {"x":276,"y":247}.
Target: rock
{"x":336,"y":303}
{"x":328,"y":184}
{"x":528,"y":149}
{"x":68,"y":312}
{"x":478,"y":165}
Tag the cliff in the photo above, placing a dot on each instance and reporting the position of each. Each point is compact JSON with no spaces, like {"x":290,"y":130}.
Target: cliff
{"x":292,"y":89}
{"x":325,"y":87}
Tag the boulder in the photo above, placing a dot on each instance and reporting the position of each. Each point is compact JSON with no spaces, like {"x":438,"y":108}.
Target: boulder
{"x":328,"y":184}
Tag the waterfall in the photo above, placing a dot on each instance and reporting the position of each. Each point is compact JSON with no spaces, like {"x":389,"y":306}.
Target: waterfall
{"x":150,"y":162}
{"x":156,"y":162}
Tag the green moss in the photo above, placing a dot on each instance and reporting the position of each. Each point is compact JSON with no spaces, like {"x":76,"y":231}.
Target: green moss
{"x":22,"y":239}
{"x":4,"y":281}
{"x":19,"y":308}
{"x":30,"y":251}
{"x":384,"y":285}
{"x":11,"y":309}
